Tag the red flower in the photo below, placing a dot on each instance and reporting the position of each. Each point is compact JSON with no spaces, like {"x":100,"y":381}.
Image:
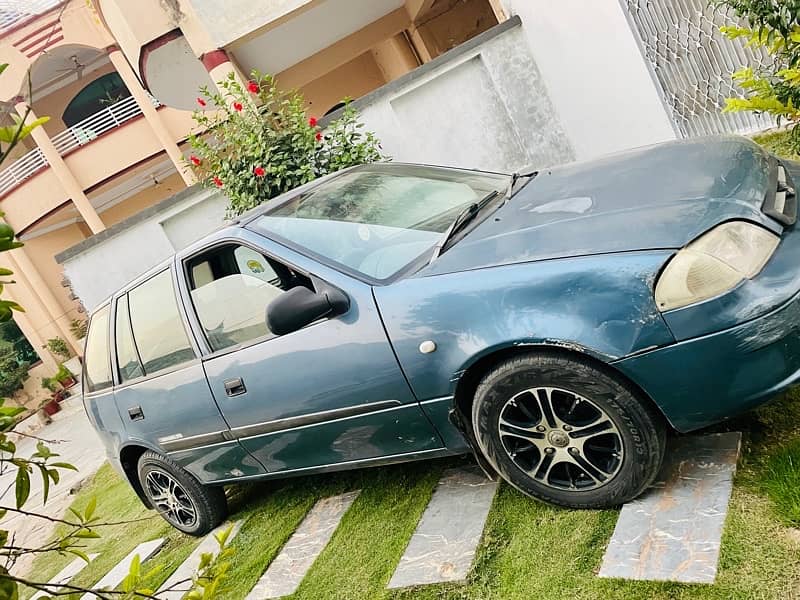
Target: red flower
{"x":237,"y":106}
{"x":195,"y":161}
{"x":259,"y":172}
{"x":252,"y":86}
{"x":318,"y":136}
{"x":217,"y":181}
{"x":201,"y":102}
{"x":312,"y":122}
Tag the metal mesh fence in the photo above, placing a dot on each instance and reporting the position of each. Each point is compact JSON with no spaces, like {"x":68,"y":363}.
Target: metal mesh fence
{"x":693,"y":63}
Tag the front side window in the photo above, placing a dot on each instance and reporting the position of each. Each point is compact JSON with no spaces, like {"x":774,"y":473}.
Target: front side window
{"x":158,"y":330}
{"x":96,"y":360}
{"x":231,"y":287}
{"x":376,"y":220}
{"x":127,"y":357}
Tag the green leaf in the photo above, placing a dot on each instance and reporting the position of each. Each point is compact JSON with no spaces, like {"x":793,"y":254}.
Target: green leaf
{"x":90,"y":508}
{"x":54,"y":475}
{"x":80,"y":554}
{"x":86,"y":534}
{"x":63,"y":465}
{"x":8,"y":588}
{"x":22,"y":486}
{"x":45,"y":483}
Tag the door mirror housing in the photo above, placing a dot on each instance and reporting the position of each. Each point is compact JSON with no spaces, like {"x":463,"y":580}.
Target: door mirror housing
{"x":299,"y":306}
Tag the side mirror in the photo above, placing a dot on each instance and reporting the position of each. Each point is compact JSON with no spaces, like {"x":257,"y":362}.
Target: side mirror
{"x":299,"y":306}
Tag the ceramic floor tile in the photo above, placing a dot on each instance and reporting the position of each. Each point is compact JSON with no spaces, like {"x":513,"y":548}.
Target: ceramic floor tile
{"x":65,"y":575}
{"x":284,"y":574}
{"x":179,"y":582}
{"x":673,"y":531}
{"x":116,"y":575}
{"x":444,"y":543}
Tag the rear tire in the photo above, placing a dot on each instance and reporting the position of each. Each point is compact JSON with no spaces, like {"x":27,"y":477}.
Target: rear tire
{"x":560,"y":429}
{"x":179,"y":498}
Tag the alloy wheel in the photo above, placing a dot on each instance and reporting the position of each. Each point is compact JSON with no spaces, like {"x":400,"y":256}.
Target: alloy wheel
{"x":170,"y":498}
{"x":561,"y":439}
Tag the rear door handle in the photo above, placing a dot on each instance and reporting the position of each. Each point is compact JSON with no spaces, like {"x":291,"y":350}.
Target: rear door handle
{"x":235,"y":387}
{"x":136,"y":413}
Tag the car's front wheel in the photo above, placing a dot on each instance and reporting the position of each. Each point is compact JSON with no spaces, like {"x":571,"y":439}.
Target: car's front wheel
{"x":558,"y":428}
{"x":184,"y":502}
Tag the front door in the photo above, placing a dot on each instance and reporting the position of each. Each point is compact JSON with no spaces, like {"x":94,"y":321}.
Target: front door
{"x":329,"y":393}
{"x":161,"y":394}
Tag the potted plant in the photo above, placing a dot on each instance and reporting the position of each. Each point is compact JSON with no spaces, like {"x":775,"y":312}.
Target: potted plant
{"x":50,"y":406}
{"x":64,"y":376}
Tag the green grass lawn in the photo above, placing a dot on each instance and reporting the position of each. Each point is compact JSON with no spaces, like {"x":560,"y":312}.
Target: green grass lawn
{"x":529,"y":550}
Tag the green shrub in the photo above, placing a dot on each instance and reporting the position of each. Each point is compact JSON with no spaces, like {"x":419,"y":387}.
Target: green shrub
{"x":260,"y":143}
{"x":774,"y":89}
{"x":58,"y":347}
{"x":13,"y":373}
{"x":78,"y":328}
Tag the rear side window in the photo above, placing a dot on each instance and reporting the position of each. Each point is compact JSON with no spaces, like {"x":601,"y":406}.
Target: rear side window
{"x":127,"y":356}
{"x":158,"y":330}
{"x":96,"y":362}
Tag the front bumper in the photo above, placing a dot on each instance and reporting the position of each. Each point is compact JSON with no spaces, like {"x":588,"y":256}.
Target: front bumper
{"x":708,"y":379}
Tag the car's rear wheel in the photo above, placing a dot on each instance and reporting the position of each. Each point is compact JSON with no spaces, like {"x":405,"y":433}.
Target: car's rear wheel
{"x":560,"y":429}
{"x":179,"y":498}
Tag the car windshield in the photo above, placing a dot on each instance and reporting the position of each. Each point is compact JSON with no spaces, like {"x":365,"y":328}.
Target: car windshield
{"x":376,"y":220}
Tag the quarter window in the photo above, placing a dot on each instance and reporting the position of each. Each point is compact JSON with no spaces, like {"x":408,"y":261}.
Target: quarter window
{"x":158,"y":330}
{"x":96,"y":362}
{"x":231,"y":287}
{"x":127,"y":356}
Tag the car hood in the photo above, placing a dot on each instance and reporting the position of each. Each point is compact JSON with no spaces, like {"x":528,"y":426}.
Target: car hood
{"x":655,"y":197}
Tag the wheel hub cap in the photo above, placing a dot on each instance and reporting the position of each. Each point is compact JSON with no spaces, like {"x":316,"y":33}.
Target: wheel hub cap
{"x":561,"y":439}
{"x":170,"y":498}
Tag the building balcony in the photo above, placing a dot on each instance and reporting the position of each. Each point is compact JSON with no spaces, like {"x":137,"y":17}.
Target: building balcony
{"x":97,"y":149}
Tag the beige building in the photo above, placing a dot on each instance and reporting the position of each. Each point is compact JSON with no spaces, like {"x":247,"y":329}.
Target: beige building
{"x":119,"y":80}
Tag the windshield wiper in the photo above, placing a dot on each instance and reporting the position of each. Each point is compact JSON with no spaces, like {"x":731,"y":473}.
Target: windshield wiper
{"x":464,"y":217}
{"x":515,"y":177}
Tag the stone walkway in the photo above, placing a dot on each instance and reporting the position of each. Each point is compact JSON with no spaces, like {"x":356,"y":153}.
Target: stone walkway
{"x":77,"y":444}
{"x":672,"y":533}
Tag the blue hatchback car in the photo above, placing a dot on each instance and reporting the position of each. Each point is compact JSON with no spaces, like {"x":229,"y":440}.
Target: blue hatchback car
{"x":555,"y":324}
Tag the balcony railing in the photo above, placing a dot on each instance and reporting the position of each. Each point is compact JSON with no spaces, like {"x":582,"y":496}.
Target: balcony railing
{"x":13,"y":12}
{"x":78,"y":135}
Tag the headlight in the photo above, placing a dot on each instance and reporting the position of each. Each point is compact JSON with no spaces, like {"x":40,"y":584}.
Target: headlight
{"x":714,"y":263}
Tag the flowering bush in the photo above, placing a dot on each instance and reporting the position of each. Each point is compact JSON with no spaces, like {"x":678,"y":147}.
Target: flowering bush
{"x":260,"y":143}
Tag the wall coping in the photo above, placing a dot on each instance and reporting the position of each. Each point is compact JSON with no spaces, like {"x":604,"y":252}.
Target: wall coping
{"x":423,"y":70}
{"x":129,"y":222}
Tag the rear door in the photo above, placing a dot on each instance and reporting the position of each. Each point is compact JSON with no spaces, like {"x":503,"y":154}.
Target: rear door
{"x":327,"y":394}
{"x":161,"y":391}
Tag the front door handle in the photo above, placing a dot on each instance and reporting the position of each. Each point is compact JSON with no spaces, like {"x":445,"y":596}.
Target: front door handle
{"x":136,"y":413}
{"x":234,"y":387}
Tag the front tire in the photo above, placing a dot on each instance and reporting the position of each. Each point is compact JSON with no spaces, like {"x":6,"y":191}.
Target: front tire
{"x":561,"y":430}
{"x":179,"y":498}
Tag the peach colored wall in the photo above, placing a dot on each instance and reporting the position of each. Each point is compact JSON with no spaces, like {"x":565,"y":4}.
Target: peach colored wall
{"x":41,"y":251}
{"x":355,"y":78}
{"x":113,"y":152}
{"x":35,"y":197}
{"x":463,"y":21}
{"x":178,"y":122}
{"x":166,"y":188}
{"x":53,"y":105}
{"x":80,"y":25}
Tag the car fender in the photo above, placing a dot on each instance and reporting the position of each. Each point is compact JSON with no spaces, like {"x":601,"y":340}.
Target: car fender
{"x":600,"y":305}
